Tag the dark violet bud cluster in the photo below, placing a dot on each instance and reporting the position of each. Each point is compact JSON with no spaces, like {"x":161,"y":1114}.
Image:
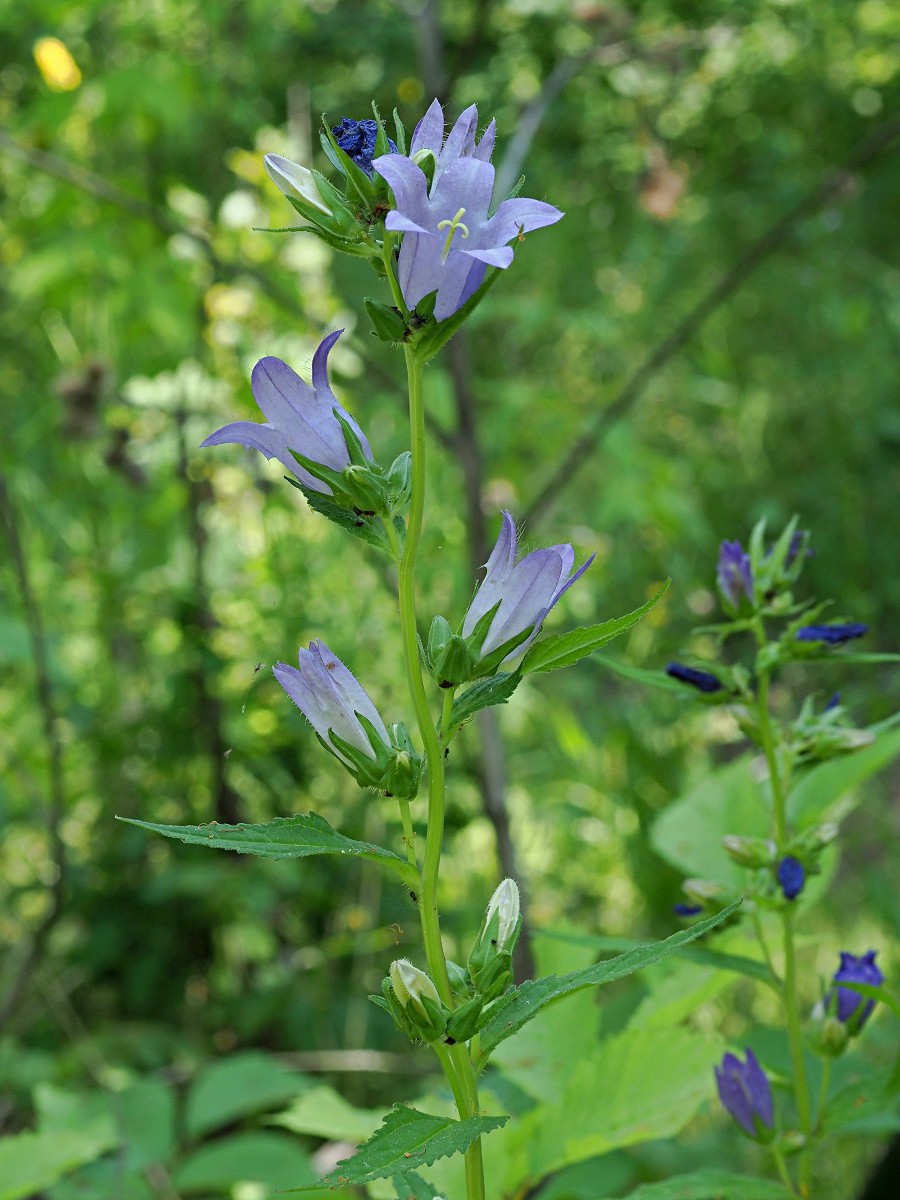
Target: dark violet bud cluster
{"x":745,"y":1093}
{"x":791,"y":876}
{"x":357,"y":139}
{"x":703,"y":681}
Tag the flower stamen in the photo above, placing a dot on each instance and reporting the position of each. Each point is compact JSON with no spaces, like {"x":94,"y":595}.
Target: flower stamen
{"x":451,"y":227}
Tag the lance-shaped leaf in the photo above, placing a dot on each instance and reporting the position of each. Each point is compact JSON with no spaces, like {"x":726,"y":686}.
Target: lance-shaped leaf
{"x":525,"y":1002}
{"x":564,"y":649}
{"x":407,"y":1139}
{"x":286,"y":837}
{"x":496,"y":690}
{"x":410,"y":1186}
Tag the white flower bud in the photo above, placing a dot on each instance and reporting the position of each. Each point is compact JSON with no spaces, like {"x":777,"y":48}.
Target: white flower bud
{"x":505,"y":903}
{"x":411,"y":984}
{"x":294,"y":180}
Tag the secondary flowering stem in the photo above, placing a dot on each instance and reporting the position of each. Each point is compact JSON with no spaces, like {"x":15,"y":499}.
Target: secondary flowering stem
{"x":789,"y":985}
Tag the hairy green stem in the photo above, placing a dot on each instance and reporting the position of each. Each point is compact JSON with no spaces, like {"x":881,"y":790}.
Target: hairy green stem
{"x":455,"y":1060}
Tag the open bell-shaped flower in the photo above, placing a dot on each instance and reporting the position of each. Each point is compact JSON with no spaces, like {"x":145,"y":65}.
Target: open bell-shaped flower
{"x":450,"y":236}
{"x":299,"y":417}
{"x":519,"y":594}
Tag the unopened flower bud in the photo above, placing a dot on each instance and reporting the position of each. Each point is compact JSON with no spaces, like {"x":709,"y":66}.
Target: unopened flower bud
{"x":490,"y":963}
{"x":295,"y":181}
{"x":505,"y":903}
{"x":425,"y":1016}
{"x":749,"y":851}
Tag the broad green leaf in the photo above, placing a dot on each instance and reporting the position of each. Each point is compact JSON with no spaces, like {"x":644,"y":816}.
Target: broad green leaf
{"x":526,"y":1001}
{"x":688,"y":833}
{"x":566,"y":649}
{"x":722,"y":961}
{"x":408,"y":1138}
{"x":31,"y":1162}
{"x":323,"y":1112}
{"x":639,"y":1085}
{"x":711,"y":1183}
{"x":496,"y":690}
{"x":285,"y":837}
{"x":826,"y":792}
{"x":238,"y":1086}
{"x":273,"y":1161}
{"x":147,"y":1114}
{"x":870,"y":1104}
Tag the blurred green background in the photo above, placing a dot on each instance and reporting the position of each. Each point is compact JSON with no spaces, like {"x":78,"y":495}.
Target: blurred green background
{"x":715,"y":325}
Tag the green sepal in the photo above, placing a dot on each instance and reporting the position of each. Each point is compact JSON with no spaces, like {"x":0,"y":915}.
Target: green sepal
{"x":464,"y":1021}
{"x":399,"y":477}
{"x":387,"y":321}
{"x":399,"y":133}
{"x":460,"y":980}
{"x":489,"y":664}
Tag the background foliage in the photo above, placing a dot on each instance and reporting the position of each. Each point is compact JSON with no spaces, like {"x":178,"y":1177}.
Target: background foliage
{"x":147,"y":587}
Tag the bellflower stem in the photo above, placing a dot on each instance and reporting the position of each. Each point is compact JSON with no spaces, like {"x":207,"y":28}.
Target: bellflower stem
{"x":455,"y":1060}
{"x":789,"y":986}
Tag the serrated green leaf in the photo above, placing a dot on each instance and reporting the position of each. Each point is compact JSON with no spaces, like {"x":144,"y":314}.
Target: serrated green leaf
{"x":710,"y":1183}
{"x":368,"y":529}
{"x":526,"y":1001}
{"x":238,"y":1086}
{"x":566,"y":649}
{"x":31,"y":1162}
{"x":739,"y":963}
{"x":483,"y":694}
{"x":285,"y":837}
{"x":408,"y":1138}
{"x":410,"y":1186}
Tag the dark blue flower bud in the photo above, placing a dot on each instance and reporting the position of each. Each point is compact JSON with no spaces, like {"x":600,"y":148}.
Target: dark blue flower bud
{"x":744,"y":1091}
{"x":791,"y":876}
{"x":834,"y":635}
{"x":852,"y":1008}
{"x":687,"y":910}
{"x":702,"y":680}
{"x":357,"y":139}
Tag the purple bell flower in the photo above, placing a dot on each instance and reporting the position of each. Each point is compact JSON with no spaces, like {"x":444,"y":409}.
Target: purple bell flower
{"x":834,"y":635}
{"x":791,"y":876}
{"x":853,"y":1009}
{"x":744,"y":1091}
{"x":449,"y":238}
{"x":525,"y":591}
{"x":733,"y":573}
{"x":298,"y":417}
{"x":332,"y":700}
{"x":357,"y":140}
{"x":704,"y":681}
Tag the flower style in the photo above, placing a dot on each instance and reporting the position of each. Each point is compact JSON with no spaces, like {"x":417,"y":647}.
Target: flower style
{"x":734,"y":576}
{"x":744,"y":1091}
{"x":294,"y":181}
{"x":298,"y":417}
{"x":357,"y":140}
{"x":449,"y":238}
{"x":852,"y":1008}
{"x":834,"y":635}
{"x":522,"y":593}
{"x":333,"y":702}
{"x":704,"y":681}
{"x":791,"y":876}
